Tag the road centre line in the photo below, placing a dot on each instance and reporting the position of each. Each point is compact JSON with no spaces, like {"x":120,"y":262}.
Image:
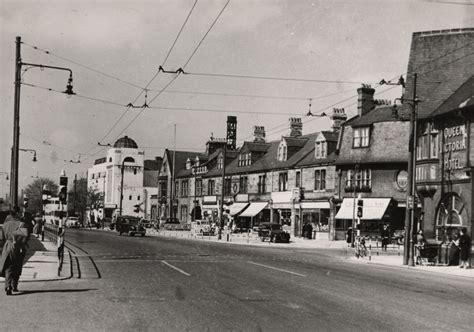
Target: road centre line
{"x":174,"y":267}
{"x":275,"y":268}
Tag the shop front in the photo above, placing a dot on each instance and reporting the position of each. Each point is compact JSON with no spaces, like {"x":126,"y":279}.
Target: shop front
{"x":317,"y":215}
{"x":255,"y":214}
{"x":375,"y":213}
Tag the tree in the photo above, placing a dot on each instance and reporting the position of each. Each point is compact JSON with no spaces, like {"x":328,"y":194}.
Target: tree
{"x":83,"y":198}
{"x":34,"y":191}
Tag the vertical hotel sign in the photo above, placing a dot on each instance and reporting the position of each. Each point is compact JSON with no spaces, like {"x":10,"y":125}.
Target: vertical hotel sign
{"x":454,"y":150}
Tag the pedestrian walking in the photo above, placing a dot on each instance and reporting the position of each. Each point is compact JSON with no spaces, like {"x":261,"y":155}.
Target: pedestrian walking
{"x":385,"y":234}
{"x":349,"y":236}
{"x":465,"y":248}
{"x":15,"y":235}
{"x":38,"y":225}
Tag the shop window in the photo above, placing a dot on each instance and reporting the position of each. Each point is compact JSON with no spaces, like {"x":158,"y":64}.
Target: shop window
{"x":361,"y":137}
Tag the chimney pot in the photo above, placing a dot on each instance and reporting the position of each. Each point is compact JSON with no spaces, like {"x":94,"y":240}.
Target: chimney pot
{"x":365,"y":100}
{"x":259,"y":134}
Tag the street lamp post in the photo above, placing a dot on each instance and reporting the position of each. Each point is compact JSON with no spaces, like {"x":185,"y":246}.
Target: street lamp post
{"x":16,"y":116}
{"x":126,"y":160}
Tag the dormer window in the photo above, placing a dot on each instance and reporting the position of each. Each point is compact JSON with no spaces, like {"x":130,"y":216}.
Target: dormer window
{"x":320,"y":149}
{"x":220,"y":163}
{"x":245,"y":159}
{"x":196,"y":162}
{"x":361,"y":137}
{"x":282,"y":151}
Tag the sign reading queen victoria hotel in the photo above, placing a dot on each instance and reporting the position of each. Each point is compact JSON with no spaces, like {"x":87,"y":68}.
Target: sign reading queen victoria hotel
{"x":454,"y":148}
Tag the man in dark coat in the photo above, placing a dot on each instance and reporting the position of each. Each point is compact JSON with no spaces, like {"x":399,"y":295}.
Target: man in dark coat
{"x":465,"y":248}
{"x":14,"y":252}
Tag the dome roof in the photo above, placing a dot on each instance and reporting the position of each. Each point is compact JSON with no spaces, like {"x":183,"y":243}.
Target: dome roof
{"x":126,"y":142}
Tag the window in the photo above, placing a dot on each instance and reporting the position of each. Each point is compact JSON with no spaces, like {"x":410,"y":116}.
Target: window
{"x":262,"y":188}
{"x":184,"y":188}
{"x":198,"y":187}
{"x":320,"y":150}
{"x":184,"y":213}
{"x":282,"y":152}
{"x":228,"y":186}
{"x":362,"y":180}
{"x":298,"y":179}
{"x":163,"y":189}
{"x":243,"y":185}
{"x":320,"y":179}
{"x":220,"y":162}
{"x":361,"y":137}
{"x":188,"y":164}
{"x":427,"y":145}
{"x":245,"y":159}
{"x":135,"y":171}
{"x":211,"y":184}
{"x":110,"y":159}
{"x":138,"y":198}
{"x":176,"y":188}
{"x":130,"y":197}
{"x":282,"y":181}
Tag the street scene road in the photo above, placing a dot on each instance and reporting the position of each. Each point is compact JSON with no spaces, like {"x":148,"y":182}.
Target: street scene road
{"x":158,"y":283}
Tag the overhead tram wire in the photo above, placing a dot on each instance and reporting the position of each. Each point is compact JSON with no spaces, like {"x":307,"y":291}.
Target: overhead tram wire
{"x":152,"y":79}
{"x":179,"y":72}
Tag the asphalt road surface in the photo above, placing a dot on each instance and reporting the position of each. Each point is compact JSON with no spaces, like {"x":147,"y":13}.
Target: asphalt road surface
{"x":124,"y":283}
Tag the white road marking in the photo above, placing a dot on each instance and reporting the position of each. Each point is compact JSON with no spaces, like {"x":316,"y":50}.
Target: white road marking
{"x":275,"y":268}
{"x":174,"y":267}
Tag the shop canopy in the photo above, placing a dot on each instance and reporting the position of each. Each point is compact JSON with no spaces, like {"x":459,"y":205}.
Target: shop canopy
{"x":254,"y":209}
{"x":236,"y":208}
{"x":374,"y":208}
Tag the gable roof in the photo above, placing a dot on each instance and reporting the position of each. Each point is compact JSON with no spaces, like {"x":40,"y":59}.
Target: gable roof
{"x":180,"y":158}
{"x":443,"y":61}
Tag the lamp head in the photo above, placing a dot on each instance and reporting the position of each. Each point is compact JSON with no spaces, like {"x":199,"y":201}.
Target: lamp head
{"x":34,"y":158}
{"x":68,"y":90}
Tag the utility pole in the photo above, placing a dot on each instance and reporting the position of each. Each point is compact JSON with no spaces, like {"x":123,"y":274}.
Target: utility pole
{"x":16,"y":127}
{"x":221,"y":207}
{"x":411,"y":204}
{"x":74,"y":206}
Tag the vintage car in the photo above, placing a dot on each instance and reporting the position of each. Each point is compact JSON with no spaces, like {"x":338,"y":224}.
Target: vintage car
{"x":130,"y":225}
{"x":273,"y":232}
{"x":201,"y":227}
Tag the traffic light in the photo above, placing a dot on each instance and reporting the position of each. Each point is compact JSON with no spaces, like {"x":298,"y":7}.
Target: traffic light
{"x":360,"y":208}
{"x":25,"y":201}
{"x":137,"y":208}
{"x":63,"y":189}
{"x":45,"y":194}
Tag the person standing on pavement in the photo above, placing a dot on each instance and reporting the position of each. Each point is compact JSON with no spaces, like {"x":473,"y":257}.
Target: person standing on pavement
{"x":385,"y":234}
{"x":38,"y":225}
{"x":465,"y":247}
{"x":15,"y":235}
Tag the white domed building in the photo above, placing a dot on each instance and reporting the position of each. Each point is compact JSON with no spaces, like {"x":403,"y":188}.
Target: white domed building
{"x":124,"y":165}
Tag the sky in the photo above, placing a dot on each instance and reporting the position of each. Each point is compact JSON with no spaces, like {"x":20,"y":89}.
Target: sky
{"x":316,"y":52}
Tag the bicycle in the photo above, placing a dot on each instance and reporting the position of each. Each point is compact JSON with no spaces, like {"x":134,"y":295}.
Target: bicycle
{"x":360,"y":249}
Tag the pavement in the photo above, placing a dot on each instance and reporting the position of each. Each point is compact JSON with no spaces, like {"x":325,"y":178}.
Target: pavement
{"x":41,"y":263}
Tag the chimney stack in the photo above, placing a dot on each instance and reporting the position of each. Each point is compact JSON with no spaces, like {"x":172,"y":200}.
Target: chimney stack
{"x":365,"y":99}
{"x":296,"y":127}
{"x":259,"y":134}
{"x":338,"y":117}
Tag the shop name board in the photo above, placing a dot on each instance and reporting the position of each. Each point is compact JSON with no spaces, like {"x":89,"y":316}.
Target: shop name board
{"x":454,"y":147}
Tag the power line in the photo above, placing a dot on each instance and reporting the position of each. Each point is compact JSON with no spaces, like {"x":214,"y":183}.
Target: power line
{"x":272,"y":78}
{"x":217,"y":110}
{"x":205,"y":35}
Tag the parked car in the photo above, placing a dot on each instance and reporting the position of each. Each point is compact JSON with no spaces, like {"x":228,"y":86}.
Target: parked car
{"x":72,"y":222}
{"x":201,"y":227}
{"x":130,"y":225}
{"x":273,"y":232}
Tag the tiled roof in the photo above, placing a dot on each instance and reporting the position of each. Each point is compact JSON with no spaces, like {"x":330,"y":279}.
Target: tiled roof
{"x":295,"y":141}
{"x":255,"y":147}
{"x":330,"y":136}
{"x":464,"y":96}
{"x":443,"y":61}
{"x":153,"y":165}
{"x":180,"y":158}
{"x":379,"y":114}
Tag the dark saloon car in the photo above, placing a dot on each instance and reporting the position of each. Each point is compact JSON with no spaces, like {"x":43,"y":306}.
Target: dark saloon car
{"x":273,"y":232}
{"x":130,"y":225}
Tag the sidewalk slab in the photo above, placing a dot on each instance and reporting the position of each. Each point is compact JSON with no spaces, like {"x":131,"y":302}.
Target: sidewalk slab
{"x":41,"y":262}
